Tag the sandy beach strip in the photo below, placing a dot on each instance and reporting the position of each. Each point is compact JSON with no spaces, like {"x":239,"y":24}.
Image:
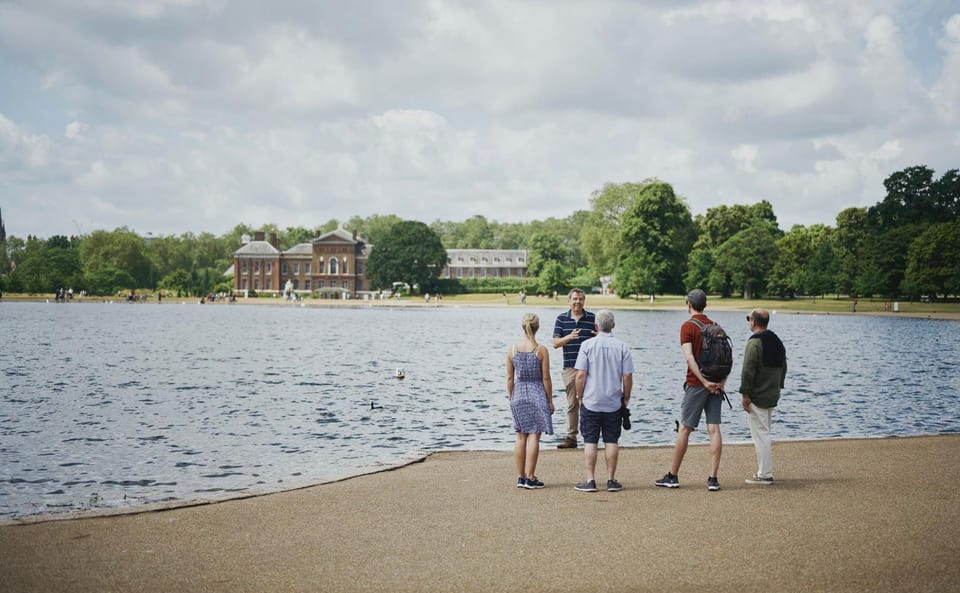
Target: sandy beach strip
{"x":844,"y":515}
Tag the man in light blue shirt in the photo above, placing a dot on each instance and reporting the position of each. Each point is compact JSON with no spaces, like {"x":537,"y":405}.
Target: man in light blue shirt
{"x":604,"y":381}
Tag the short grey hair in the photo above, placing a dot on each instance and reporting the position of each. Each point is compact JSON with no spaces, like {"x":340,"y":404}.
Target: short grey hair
{"x":605,"y":320}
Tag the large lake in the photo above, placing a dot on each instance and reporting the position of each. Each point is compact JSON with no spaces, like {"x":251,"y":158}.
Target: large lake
{"x":115,"y":405}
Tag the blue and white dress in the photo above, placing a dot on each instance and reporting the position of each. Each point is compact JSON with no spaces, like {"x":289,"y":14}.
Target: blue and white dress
{"x":531,"y":412}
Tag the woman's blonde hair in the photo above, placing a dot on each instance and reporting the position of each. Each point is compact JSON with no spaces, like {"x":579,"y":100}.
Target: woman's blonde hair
{"x":531,"y":323}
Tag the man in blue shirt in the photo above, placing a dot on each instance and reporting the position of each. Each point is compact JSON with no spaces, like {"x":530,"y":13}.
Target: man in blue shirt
{"x":604,"y":382}
{"x":572,"y":328}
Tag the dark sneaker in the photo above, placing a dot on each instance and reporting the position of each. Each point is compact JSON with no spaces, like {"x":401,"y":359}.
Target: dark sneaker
{"x":567,"y":444}
{"x":614,"y":486}
{"x":533,"y":484}
{"x":521,"y":482}
{"x":757,"y":480}
{"x":588,"y":486}
{"x":668,"y":481}
{"x":712,"y":484}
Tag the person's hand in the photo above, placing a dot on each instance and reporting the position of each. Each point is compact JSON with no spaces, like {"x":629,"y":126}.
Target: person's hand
{"x":745,"y":402}
{"x":574,"y":334}
{"x":550,"y":404}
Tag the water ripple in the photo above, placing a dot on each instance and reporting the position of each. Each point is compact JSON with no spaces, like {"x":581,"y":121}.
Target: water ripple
{"x":137,"y":404}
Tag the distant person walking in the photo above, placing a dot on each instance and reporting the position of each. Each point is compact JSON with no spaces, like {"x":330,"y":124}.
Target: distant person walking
{"x":762,"y":378}
{"x":571,"y":329}
{"x":531,"y":400}
{"x":604,"y":382}
{"x":700,"y":396}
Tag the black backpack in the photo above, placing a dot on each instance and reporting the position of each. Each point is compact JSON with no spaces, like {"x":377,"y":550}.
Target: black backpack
{"x":716,"y":351}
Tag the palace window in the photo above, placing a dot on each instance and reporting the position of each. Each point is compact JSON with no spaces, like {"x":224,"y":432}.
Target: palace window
{"x":283,"y":268}
{"x":334,"y":267}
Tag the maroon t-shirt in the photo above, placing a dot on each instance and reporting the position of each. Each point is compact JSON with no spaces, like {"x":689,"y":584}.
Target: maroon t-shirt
{"x":689,"y":332}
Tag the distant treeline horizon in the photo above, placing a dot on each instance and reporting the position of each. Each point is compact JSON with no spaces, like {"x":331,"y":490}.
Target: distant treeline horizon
{"x":640,"y":236}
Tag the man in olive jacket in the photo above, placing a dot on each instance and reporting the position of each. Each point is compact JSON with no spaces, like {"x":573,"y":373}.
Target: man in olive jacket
{"x":764,"y":370}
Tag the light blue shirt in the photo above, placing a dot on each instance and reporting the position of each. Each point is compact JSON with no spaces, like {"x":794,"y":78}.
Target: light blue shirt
{"x":606,"y":360}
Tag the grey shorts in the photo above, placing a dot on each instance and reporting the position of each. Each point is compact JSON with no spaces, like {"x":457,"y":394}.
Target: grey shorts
{"x":696,"y":401}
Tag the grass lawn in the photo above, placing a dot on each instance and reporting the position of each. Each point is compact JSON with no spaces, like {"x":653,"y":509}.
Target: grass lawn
{"x":829,"y":305}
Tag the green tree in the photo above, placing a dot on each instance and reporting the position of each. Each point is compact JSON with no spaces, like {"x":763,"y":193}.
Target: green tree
{"x":553,"y":277}
{"x":849,"y":239}
{"x":639,"y":273}
{"x":823,"y":265}
{"x":373,"y":227}
{"x":511,"y":236}
{"x":169,"y":253}
{"x":294,"y":236}
{"x":884,"y":260}
{"x":46,"y":265}
{"x":121,"y":249}
{"x":657,"y":230}
{"x":409,"y":252}
{"x":714,"y":228}
{"x":700,"y":268}
{"x":933,"y":261}
{"x":474,"y":233}
{"x":914,"y":197}
{"x":748,"y":256}
{"x":600,"y":235}
{"x":108,"y":281}
{"x":544,"y":247}
{"x":794,"y":270}
{"x":177,"y":281}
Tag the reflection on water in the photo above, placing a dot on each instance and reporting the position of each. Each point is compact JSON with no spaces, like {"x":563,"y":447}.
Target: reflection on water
{"x":111,"y":405}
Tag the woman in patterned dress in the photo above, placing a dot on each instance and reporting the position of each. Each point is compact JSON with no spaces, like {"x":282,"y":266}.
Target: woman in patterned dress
{"x":531,"y":400}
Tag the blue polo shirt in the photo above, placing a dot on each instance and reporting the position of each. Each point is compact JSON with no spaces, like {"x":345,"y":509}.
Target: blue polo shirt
{"x":606,"y":360}
{"x":565,"y":325}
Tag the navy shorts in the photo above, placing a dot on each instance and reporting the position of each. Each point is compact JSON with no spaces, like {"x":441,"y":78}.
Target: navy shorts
{"x":696,"y":401}
{"x":593,"y":423}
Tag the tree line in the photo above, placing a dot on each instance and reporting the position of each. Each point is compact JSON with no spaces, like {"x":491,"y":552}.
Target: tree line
{"x":641,"y":235}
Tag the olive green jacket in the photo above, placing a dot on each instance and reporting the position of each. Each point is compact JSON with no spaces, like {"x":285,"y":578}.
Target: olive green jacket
{"x":761,"y":383}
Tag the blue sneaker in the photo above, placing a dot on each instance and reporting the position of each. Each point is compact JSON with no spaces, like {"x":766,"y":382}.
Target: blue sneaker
{"x":587,"y":486}
{"x":533,"y":484}
{"x":712,"y":484}
{"x":668,"y":481}
{"x":521,"y":482}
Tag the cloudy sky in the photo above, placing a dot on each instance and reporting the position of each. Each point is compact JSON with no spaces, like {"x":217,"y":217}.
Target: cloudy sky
{"x":175,"y":116}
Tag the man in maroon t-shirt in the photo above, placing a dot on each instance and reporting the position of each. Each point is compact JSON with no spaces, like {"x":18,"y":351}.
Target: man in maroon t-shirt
{"x":700,"y":396}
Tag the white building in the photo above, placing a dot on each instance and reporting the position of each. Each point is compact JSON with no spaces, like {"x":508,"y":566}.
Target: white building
{"x":485,"y":263}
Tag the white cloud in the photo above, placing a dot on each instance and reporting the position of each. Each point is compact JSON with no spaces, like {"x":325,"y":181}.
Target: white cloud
{"x":745,"y":155}
{"x":74,"y":130}
{"x":298,"y":112}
